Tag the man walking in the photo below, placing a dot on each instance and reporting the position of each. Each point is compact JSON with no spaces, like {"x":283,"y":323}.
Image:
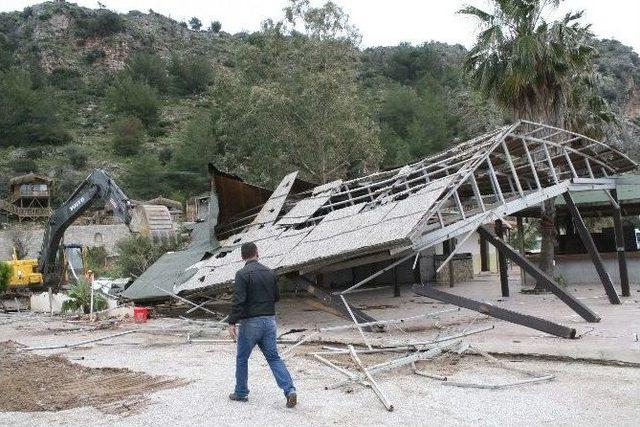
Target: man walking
{"x":255,"y":295}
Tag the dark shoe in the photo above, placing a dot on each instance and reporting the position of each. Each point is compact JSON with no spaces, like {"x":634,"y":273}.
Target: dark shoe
{"x":237,"y":398}
{"x":292,"y":400}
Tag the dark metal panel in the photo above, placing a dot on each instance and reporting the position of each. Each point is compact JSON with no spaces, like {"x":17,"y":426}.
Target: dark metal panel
{"x":497,"y":312}
{"x":502,"y":261}
{"x":591,"y":248}
{"x":620,"y":246}
{"x":540,"y":276}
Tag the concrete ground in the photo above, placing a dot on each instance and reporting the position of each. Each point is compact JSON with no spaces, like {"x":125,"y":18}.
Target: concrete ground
{"x":593,"y":393}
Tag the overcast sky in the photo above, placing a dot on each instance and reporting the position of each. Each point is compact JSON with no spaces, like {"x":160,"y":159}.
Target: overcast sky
{"x":381,"y":22}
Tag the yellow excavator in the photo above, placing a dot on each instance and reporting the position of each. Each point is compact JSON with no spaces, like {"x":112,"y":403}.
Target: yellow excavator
{"x":59,"y":263}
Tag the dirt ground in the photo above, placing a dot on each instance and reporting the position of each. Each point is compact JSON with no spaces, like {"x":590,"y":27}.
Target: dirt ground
{"x":596,"y":378}
{"x":30,"y":382}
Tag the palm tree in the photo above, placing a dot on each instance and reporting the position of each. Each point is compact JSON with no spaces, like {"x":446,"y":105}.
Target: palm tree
{"x":532,"y":68}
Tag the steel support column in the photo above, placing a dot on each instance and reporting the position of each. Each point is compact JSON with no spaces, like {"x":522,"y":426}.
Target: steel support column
{"x":588,"y":243}
{"x":540,"y":276}
{"x":502,"y":261}
{"x":497,"y":312}
{"x":622,"y":259}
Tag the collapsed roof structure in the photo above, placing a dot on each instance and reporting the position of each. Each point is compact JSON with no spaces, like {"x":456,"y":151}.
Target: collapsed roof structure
{"x":397,"y":213}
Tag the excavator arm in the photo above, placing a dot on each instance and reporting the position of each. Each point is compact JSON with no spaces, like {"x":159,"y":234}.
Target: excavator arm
{"x":98,"y":185}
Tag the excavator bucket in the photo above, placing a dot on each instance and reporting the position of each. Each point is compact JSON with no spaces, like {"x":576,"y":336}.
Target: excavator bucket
{"x":153,"y":221}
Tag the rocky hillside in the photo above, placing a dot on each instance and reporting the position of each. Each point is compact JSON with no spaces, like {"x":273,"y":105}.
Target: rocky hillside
{"x":151,"y":100}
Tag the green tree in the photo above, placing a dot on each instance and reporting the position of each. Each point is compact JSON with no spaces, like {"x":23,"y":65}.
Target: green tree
{"x":148,"y":68}
{"x":201,"y":143}
{"x":145,"y":178}
{"x":134,"y":98}
{"x":297,"y":102}
{"x":195,"y":24}
{"x":29,"y":111}
{"x":530,"y":66}
{"x":137,"y":253}
{"x":215,"y":27}
{"x":191,"y":73}
{"x":128,"y":136}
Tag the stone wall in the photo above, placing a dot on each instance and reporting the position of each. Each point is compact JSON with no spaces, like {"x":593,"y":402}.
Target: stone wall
{"x":85,"y":235}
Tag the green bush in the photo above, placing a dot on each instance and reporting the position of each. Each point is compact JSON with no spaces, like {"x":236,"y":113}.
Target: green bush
{"x":80,"y":298}
{"x":5,"y":275}
{"x":148,"y":68}
{"x":146,"y":178}
{"x":128,"y":136}
{"x":24,"y":165}
{"x":29,"y":112}
{"x":77,"y":156}
{"x":102,"y":23}
{"x":134,"y":98}
{"x":191,"y":74}
{"x":65,"y":79}
{"x":137,"y":253}
{"x":97,"y":260}
{"x":94,"y":55}
{"x":165,"y":155}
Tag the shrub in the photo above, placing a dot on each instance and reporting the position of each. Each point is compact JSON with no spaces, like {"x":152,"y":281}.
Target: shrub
{"x":134,"y":98}
{"x":77,"y":156}
{"x":148,"y":68}
{"x":94,"y":55}
{"x":215,"y":27}
{"x":24,"y":165}
{"x":30,"y":113}
{"x":128,"y":136}
{"x":102,"y":23}
{"x":80,"y":298}
{"x":44,"y":16}
{"x":97,"y":259}
{"x":137,"y":253}
{"x":191,"y":74}
{"x":146,"y":178}
{"x":65,"y":79}
{"x":165,"y":155}
{"x":5,"y":275}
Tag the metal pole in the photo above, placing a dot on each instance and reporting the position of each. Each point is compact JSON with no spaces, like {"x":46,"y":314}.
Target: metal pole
{"x":583,"y":232}
{"x":374,"y":386}
{"x":622,"y":259}
{"x":541,"y":277}
{"x":185,"y":300}
{"x":502,"y":262}
{"x":355,"y":321}
{"x":522,"y":252}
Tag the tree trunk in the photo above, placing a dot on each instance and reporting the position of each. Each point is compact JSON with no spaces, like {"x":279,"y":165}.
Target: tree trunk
{"x":548,"y":234}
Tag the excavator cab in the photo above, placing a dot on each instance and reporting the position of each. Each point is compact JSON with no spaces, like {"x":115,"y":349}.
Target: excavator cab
{"x":74,"y":262}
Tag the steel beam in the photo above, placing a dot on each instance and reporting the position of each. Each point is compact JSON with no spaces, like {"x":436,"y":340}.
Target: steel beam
{"x":502,"y":262}
{"x":332,"y":301}
{"x":540,"y":276}
{"x":622,"y":259}
{"x":588,"y":243}
{"x":497,"y":312}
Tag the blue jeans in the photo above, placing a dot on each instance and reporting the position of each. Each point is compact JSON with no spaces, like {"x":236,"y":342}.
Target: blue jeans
{"x":261,"y":331}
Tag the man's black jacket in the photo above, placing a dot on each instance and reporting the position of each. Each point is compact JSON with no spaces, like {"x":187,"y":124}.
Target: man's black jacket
{"x":256,"y":292}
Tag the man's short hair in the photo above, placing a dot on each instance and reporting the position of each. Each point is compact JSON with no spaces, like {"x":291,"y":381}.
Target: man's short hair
{"x":248,"y":250}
